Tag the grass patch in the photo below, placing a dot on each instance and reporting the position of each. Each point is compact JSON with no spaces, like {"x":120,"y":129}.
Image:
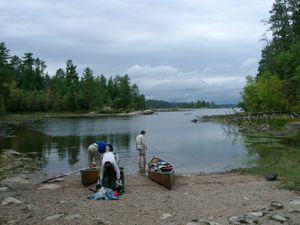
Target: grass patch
{"x":280,"y":155}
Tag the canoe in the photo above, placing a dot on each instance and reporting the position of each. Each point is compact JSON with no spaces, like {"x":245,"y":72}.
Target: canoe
{"x":89,"y":176}
{"x":161,"y":172}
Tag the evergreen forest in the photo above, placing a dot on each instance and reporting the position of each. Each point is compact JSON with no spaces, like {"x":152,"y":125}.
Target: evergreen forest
{"x":25,"y":86}
{"x":276,"y":86}
{"x":159,"y":104}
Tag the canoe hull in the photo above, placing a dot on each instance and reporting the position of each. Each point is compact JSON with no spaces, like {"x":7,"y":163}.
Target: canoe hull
{"x":166,"y":179}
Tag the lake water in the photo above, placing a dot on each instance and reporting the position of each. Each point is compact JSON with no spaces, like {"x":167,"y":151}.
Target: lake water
{"x":61,"y":143}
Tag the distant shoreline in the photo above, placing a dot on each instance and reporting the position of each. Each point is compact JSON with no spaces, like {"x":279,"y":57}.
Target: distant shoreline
{"x":15,"y":118}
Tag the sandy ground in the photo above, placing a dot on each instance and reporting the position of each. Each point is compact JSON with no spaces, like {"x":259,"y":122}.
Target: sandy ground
{"x":214,"y":198}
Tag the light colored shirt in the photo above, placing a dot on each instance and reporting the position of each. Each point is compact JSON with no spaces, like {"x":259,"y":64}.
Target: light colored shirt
{"x":109,"y":157}
{"x":140,"y":142}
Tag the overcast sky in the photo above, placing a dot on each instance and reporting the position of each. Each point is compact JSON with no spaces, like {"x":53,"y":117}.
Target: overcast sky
{"x":174,"y":50}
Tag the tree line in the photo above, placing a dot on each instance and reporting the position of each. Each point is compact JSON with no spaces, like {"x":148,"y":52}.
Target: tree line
{"x":25,"y":86}
{"x":158,"y":104}
{"x":276,"y":86}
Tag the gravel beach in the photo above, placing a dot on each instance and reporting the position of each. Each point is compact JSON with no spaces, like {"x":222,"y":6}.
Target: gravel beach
{"x":229,"y":198}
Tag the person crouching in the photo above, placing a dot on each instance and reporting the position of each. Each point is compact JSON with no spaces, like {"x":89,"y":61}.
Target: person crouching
{"x":110,"y":172}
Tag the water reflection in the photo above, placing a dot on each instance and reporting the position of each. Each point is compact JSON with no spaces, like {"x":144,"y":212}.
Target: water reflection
{"x":61,"y":144}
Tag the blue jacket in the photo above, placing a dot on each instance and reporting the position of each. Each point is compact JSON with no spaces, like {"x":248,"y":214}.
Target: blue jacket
{"x":101,"y":146}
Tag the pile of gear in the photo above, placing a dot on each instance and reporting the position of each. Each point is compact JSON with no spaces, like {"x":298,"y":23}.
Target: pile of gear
{"x":161,"y":166}
{"x":104,"y":193}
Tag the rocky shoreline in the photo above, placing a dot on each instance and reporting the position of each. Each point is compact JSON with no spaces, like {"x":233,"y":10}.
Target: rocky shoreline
{"x":195,"y":200}
{"x":214,"y":199}
{"x":13,"y":162}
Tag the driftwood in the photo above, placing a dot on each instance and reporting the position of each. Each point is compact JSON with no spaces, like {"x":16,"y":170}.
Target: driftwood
{"x":255,"y":117}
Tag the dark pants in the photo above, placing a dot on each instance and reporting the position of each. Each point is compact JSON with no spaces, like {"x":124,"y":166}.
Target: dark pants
{"x":109,"y":179}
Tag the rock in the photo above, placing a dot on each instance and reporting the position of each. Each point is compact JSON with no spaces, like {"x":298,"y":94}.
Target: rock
{"x":53,"y":217}
{"x":3,"y":188}
{"x":30,"y":207}
{"x":73,"y":216}
{"x":12,"y":152}
{"x":148,"y":112}
{"x":192,"y":223}
{"x":276,"y":205}
{"x":293,"y":126}
{"x":13,"y":222}
{"x":261,"y":207}
{"x":291,"y":210}
{"x":18,"y":180}
{"x":207,"y":222}
{"x":50,"y":187}
{"x":256,"y":214}
{"x":58,"y":179}
{"x":272,"y":176}
{"x":264,"y":127}
{"x":234,"y":220}
{"x":244,"y":219}
{"x":11,"y":200}
{"x":295,"y":202}
{"x":249,"y":219}
{"x":107,"y":109}
{"x":62,"y":202}
{"x":279,"y":218}
{"x":165,"y":216}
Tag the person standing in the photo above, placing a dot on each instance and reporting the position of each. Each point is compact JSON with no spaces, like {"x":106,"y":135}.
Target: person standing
{"x":96,"y":150}
{"x":141,"y":148}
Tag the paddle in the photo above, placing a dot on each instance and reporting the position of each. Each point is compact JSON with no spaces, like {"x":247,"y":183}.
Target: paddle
{"x":66,"y":174}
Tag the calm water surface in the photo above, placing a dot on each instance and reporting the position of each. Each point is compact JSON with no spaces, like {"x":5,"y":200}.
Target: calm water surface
{"x":61,"y":144}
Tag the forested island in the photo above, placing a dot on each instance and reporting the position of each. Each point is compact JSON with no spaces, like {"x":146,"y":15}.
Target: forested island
{"x":158,"y":104}
{"x":26,"y":86}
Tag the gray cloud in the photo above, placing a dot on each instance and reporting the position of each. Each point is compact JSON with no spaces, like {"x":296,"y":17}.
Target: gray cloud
{"x":165,"y":83}
{"x":200,"y":46}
